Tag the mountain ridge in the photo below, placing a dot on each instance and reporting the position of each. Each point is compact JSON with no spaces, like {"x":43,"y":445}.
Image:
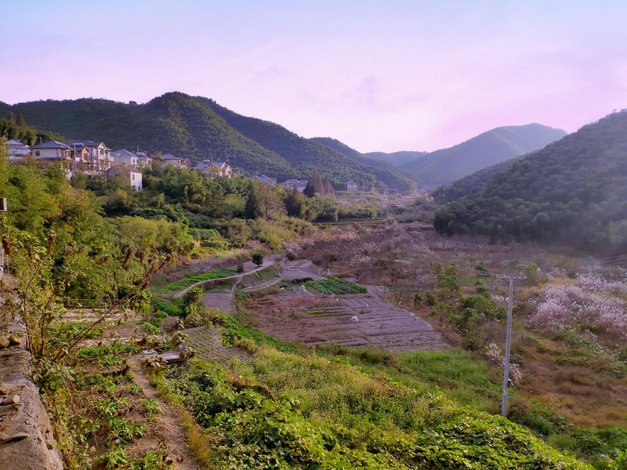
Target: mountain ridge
{"x":199,"y":128}
{"x":573,"y":191}
{"x":444,"y":166}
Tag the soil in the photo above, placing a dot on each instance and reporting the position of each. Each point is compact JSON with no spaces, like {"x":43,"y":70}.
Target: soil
{"x":349,"y":320}
{"x":166,"y":433}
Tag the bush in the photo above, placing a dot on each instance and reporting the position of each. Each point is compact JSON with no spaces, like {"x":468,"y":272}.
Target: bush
{"x":257,"y":258}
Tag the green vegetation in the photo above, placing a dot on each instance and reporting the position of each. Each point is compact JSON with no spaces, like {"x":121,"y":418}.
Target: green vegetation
{"x":197,"y":127}
{"x":571,"y":192}
{"x":14,"y":129}
{"x":191,"y":280}
{"x":282,"y":409}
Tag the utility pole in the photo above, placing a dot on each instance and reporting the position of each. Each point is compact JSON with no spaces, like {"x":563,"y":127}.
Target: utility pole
{"x":508,"y":339}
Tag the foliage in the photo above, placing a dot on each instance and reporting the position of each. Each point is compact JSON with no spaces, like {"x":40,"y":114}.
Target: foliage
{"x":284,"y":410}
{"x":571,"y":192}
{"x":196,"y":278}
{"x":257,"y":258}
{"x":25,"y":134}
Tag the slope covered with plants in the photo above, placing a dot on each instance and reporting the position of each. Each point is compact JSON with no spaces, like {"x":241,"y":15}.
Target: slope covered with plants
{"x":471,"y":184}
{"x":446,"y":165}
{"x":198,"y":128}
{"x":573,"y":191}
{"x":308,"y":155}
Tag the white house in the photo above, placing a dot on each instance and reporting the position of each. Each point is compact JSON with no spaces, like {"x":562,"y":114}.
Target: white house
{"x":133,"y":176}
{"x":124,"y":157}
{"x":52,"y":151}
{"x":99,"y":155}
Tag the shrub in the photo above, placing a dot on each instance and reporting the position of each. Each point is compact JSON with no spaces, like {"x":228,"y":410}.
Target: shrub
{"x":257,"y":258}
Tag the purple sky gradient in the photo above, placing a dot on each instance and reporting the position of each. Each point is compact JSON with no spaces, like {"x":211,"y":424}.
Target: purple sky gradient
{"x":378,"y":75}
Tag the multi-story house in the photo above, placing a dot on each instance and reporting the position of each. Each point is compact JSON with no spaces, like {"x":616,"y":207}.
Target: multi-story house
{"x":124,"y":157}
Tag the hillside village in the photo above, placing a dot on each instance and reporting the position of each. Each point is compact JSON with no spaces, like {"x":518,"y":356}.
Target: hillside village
{"x":96,"y":159}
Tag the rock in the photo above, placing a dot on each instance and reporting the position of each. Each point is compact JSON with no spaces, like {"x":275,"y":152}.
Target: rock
{"x":12,"y":400}
{"x":15,"y":437}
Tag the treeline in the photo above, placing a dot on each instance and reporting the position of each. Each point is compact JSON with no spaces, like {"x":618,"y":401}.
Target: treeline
{"x":571,"y":192}
{"x":16,"y":128}
{"x":239,"y":209}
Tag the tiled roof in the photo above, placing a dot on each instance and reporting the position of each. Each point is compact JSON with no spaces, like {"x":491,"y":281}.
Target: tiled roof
{"x":53,"y":144}
{"x":122,"y":153}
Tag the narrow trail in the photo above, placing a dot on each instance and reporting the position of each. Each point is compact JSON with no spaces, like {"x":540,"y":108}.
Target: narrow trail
{"x":172,"y":435}
{"x":237,"y":277}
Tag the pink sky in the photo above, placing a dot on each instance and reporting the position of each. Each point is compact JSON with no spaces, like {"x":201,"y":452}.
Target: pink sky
{"x":378,"y":75}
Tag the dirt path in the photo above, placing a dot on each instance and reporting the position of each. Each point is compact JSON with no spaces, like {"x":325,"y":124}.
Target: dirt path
{"x":235,"y":277}
{"x":171,"y":434}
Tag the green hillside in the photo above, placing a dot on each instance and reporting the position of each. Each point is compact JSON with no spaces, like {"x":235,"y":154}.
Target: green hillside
{"x":198,"y":128}
{"x":573,"y":191}
{"x":473,"y":183}
{"x":307,"y":155}
{"x":385,"y":170}
{"x":173,"y":123}
{"x":447,"y":165}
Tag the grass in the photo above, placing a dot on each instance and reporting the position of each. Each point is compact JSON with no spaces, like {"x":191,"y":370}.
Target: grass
{"x":191,"y":280}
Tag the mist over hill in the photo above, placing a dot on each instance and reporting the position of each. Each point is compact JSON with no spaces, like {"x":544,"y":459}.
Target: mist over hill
{"x":198,"y":128}
{"x":573,"y":191}
{"x":397,"y":158}
{"x":503,"y":143}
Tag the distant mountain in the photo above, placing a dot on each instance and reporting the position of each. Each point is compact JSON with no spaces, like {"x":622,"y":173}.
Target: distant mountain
{"x":198,"y":128}
{"x":572,"y":192}
{"x":503,"y":143}
{"x":397,"y":158}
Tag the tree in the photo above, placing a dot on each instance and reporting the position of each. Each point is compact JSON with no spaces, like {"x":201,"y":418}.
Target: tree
{"x":295,"y":203}
{"x":252,"y":209}
{"x":257,"y":258}
{"x":21,"y":122}
{"x":315,"y":185}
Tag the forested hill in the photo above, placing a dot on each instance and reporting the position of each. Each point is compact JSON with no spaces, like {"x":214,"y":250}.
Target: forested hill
{"x":198,"y":128}
{"x":473,"y":183}
{"x":503,"y":143}
{"x":308,"y":155}
{"x":573,"y":191}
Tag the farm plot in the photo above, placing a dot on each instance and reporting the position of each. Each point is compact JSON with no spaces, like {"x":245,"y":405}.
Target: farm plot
{"x":350,"y":320}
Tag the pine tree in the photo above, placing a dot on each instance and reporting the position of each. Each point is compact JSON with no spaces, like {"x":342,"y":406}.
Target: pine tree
{"x":315,"y":185}
{"x":21,"y":122}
